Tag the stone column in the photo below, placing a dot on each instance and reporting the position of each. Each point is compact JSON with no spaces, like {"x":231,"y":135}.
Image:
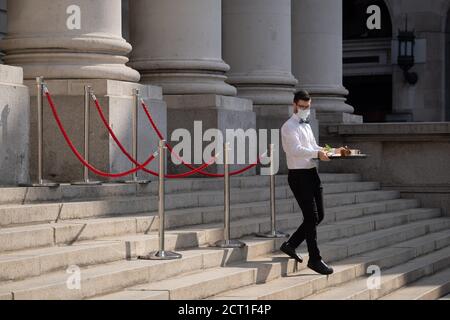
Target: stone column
{"x":257,"y":45}
{"x":424,"y":101}
{"x":68,"y":39}
{"x":178,"y":46}
{"x":317,"y":57}
{"x":73,"y":43}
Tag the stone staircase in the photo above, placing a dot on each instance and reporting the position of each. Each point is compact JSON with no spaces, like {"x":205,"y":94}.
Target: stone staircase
{"x":102,"y":229}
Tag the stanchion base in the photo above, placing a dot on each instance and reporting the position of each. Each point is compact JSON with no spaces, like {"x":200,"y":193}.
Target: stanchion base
{"x":273,"y":235}
{"x":88,"y":183}
{"x":230,"y":244}
{"x":161,"y":255}
{"x":41,"y":185}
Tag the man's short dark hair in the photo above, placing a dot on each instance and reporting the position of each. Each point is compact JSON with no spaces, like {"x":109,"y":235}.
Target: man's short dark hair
{"x":302,"y":95}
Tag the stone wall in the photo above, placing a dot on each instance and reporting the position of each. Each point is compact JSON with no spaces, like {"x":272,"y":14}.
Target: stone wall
{"x":425,"y":100}
{"x":14,"y":127}
{"x":413,"y":158}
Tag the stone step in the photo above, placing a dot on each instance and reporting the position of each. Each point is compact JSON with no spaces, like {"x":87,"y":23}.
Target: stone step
{"x":203,"y":285}
{"x":384,"y":237}
{"x":358,"y":210}
{"x":11,"y":215}
{"x":26,"y":214}
{"x":115,"y":276}
{"x":335,"y":200}
{"x":429,"y":288}
{"x":136,"y":295}
{"x":391,"y":278}
{"x":305,"y":283}
{"x":447,"y":297}
{"x":37,"y":262}
{"x":384,"y":220}
{"x":69,"y":234}
{"x":67,"y":192}
{"x":80,"y":252}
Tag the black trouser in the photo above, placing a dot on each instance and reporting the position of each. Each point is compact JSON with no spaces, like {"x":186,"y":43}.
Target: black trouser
{"x":308,"y":191}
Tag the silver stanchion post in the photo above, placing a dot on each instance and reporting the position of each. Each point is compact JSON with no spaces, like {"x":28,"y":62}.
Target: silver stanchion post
{"x":273,"y":220}
{"x":87,"y":104}
{"x":227,"y":242}
{"x":161,"y":254}
{"x":135,"y":179}
{"x":40,"y":126}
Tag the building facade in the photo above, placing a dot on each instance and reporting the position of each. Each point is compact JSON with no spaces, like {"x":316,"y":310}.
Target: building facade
{"x":227,"y":63}
{"x":376,"y":83}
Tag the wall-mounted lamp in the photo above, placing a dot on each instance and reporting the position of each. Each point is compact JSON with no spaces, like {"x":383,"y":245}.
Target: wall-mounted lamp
{"x":406,"y":43}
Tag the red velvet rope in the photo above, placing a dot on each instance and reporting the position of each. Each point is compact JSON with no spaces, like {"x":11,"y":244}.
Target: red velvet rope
{"x":125,"y":152}
{"x":121,"y":147}
{"x":78,"y":155}
{"x":207,"y":174}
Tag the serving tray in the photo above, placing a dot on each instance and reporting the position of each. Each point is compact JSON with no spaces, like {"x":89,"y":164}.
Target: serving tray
{"x":339,"y":157}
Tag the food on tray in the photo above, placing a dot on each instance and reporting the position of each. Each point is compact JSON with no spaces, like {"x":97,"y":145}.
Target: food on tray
{"x":345,"y":152}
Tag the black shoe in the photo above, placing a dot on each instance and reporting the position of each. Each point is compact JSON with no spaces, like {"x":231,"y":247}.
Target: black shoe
{"x":320,"y":267}
{"x":291,"y":252}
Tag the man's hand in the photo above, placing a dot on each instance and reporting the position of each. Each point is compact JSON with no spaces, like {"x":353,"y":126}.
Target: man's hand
{"x":323,"y":156}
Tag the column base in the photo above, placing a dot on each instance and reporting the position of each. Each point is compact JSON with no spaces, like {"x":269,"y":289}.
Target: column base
{"x":266,"y":95}
{"x":271,"y":117}
{"x":331,"y":118}
{"x":214,"y":112}
{"x":327,"y":119}
{"x":14,"y":127}
{"x":329,"y":98}
{"x":117,"y":101}
{"x":190,"y":83}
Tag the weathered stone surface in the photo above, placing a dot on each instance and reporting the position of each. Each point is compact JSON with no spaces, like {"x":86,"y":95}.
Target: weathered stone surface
{"x":213,"y":112}
{"x":408,"y":157}
{"x":318,"y":65}
{"x":14,"y":127}
{"x":178,"y":47}
{"x":116,"y":99}
{"x":94,"y":48}
{"x":259,"y":50}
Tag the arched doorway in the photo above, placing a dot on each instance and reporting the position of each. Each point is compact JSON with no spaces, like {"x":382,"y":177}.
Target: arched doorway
{"x":367,"y":60}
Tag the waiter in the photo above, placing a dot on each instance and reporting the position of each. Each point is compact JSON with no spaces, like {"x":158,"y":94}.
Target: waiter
{"x":301,"y":149}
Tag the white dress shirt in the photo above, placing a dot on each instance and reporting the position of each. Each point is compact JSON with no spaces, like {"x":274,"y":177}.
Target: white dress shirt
{"x":299,"y":144}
